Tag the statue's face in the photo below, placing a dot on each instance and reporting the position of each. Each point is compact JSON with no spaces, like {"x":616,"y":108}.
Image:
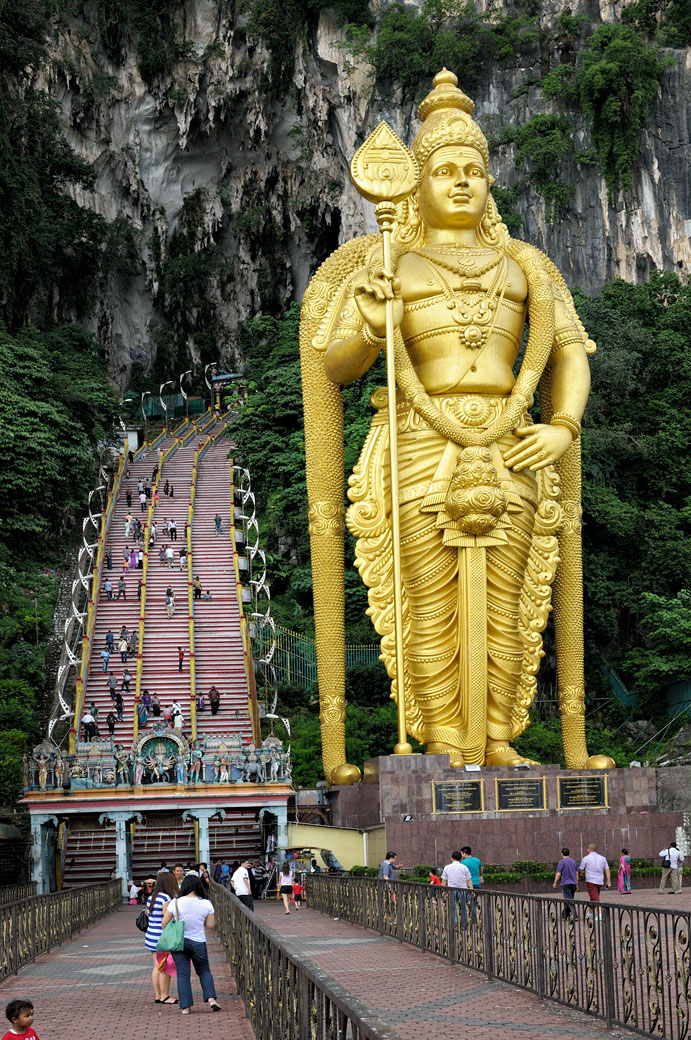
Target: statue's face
{"x":453,"y":190}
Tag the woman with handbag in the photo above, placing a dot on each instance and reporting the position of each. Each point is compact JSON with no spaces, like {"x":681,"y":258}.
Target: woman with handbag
{"x":166,"y":888}
{"x":194,"y":910}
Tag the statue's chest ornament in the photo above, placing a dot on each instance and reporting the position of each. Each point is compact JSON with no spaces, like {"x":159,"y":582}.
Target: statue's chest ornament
{"x":472,"y":309}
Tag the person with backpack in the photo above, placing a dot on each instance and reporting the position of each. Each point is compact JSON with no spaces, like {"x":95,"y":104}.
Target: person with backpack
{"x":672,"y":867}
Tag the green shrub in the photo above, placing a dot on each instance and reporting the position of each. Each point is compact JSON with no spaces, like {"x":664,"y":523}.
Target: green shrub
{"x":618,"y":76}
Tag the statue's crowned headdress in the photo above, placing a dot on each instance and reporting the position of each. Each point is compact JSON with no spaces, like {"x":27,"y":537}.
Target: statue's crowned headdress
{"x":446,"y":115}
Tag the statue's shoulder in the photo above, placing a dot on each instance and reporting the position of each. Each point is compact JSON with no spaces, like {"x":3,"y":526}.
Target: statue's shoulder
{"x":342,"y":263}
{"x":328,"y":286}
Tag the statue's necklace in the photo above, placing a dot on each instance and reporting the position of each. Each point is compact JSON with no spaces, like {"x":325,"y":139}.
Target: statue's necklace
{"x":477,"y":314}
{"x":462,"y":264}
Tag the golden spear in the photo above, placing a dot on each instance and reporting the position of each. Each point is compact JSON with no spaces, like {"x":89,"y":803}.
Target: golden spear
{"x":384,"y":171}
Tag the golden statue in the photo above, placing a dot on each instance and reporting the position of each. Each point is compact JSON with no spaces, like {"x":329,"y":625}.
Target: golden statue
{"x":483,"y":537}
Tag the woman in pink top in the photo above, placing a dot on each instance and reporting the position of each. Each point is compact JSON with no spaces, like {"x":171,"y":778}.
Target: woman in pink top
{"x":285,"y":882}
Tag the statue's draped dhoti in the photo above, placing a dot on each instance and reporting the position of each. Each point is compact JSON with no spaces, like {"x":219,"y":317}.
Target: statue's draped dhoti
{"x":464,"y":667}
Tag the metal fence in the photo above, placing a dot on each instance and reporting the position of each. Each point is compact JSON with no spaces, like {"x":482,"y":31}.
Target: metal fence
{"x":282,"y":996}
{"x":295,"y":657}
{"x":34,"y":925}
{"x":12,"y":893}
{"x":630,"y":965}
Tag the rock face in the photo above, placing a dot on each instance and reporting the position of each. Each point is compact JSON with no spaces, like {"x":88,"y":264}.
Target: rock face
{"x":271,"y":174}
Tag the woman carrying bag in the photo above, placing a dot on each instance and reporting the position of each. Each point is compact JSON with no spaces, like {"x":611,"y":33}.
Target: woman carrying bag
{"x":196,"y":913}
{"x":166,"y":887}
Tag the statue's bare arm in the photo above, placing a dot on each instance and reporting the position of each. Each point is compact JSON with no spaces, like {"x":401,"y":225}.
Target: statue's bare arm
{"x":349,"y":355}
{"x":543,"y":444}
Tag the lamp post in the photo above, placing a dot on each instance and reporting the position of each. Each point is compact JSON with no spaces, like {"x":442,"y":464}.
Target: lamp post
{"x":164,"y":406}
{"x":212,"y":365}
{"x":184,"y":395}
{"x":147,"y":393}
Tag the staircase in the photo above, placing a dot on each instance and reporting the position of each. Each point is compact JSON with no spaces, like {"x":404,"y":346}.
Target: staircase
{"x":219,"y":660}
{"x":113,"y":614}
{"x":161,"y":839}
{"x":219,"y":652}
{"x":163,"y":635}
{"x":89,"y":855}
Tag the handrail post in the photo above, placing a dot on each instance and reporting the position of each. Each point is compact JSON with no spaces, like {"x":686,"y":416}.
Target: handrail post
{"x":608,"y":965}
{"x":487,"y":922}
{"x":540,"y":951}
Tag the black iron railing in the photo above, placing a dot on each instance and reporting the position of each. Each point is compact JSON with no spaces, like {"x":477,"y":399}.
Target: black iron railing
{"x":13,"y":893}
{"x":630,"y":965}
{"x":34,"y":925}
{"x":282,"y":996}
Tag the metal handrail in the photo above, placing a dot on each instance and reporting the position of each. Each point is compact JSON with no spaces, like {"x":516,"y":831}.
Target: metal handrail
{"x":14,"y":893}
{"x":283,"y":997}
{"x":95,"y":591}
{"x":32,"y":926}
{"x":247,"y":660}
{"x":627,"y":964}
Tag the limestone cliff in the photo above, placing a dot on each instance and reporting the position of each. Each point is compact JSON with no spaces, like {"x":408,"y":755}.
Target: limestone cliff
{"x":270,"y":175}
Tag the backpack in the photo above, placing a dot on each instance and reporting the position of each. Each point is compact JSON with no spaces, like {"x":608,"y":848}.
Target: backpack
{"x":667,"y":861}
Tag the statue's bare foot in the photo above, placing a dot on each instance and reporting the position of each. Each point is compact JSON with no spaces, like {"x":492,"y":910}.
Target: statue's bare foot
{"x":498,"y":754}
{"x":440,"y":748}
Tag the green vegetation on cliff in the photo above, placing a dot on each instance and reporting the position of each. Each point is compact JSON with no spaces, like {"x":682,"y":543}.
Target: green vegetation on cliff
{"x":56,"y":403}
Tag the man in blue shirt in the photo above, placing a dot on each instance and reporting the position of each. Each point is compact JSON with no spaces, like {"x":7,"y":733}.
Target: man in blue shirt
{"x":567,"y":877}
{"x":387,"y":870}
{"x":474,"y":865}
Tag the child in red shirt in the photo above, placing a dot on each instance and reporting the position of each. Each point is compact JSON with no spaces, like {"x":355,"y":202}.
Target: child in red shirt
{"x":21,"y":1014}
{"x":297,"y":895}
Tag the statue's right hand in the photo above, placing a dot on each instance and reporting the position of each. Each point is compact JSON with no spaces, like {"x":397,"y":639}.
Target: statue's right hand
{"x":371,"y":296}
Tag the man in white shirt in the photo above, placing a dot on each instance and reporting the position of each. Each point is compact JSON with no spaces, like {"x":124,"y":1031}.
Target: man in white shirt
{"x":457,"y":876}
{"x":240,"y":883}
{"x":673,"y":856}
{"x":596,"y":869}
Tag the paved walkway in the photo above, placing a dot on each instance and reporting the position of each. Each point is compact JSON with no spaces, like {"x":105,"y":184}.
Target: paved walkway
{"x":418,"y":995}
{"x":99,"y":986}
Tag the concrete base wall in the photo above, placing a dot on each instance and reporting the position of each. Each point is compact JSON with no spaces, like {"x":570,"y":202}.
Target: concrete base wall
{"x":645,"y":809}
{"x":428,"y":839}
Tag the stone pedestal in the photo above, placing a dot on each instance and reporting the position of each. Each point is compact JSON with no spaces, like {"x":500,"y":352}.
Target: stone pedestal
{"x":398,"y":791}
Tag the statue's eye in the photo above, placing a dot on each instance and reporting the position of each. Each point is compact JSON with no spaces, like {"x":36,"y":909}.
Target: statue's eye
{"x":443,"y":171}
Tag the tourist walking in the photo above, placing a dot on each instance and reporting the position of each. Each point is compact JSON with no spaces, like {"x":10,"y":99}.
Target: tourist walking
{"x":596,"y":869}
{"x":387,"y":868}
{"x":128,"y":496}
{"x":214,"y":700}
{"x":241,"y":884}
{"x":119,"y":706}
{"x":110,"y":722}
{"x":105,"y":658}
{"x":672,"y":866}
{"x":166,"y":887}
{"x":567,"y":877}
{"x":108,"y":588}
{"x":173,"y":527}
{"x":112,"y":685}
{"x":457,"y":876}
{"x":218,"y":524}
{"x":109,"y":560}
{"x":181,"y":658}
{"x":126,"y":680}
{"x":122,"y":647}
{"x":197,"y":586}
{"x":122,"y":589}
{"x":624,"y":877}
{"x":285,"y":883}
{"x":170,"y":602}
{"x":197,"y":912}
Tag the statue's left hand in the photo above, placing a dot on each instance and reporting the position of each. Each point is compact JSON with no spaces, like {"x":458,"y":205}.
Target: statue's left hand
{"x":539,"y":446}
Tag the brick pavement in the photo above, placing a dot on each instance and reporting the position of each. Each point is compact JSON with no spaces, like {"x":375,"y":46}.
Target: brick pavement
{"x":99,"y":985}
{"x":418,"y":995}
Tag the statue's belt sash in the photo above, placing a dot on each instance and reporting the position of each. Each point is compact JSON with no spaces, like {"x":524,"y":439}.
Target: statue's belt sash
{"x":471,"y":490}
